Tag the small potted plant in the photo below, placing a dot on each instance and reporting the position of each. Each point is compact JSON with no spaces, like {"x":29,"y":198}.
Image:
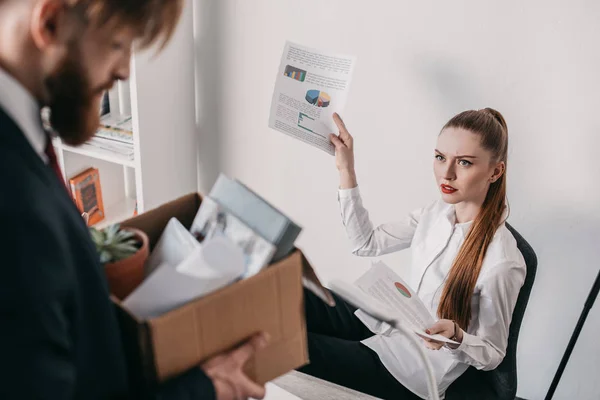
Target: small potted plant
{"x":123,"y":252}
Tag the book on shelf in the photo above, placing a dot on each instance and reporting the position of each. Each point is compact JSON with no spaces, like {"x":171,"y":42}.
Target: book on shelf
{"x":87,"y":194}
{"x":117,"y":121}
{"x":116,"y":127}
{"x":115,"y":134}
{"x":115,"y":124}
{"x":114,"y":146}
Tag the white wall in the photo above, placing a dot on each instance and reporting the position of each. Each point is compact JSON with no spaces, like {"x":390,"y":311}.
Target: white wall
{"x":419,"y":63}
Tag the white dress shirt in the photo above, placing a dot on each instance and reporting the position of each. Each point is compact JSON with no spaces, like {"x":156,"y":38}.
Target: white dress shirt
{"x":24,"y":110}
{"x":435,"y":238}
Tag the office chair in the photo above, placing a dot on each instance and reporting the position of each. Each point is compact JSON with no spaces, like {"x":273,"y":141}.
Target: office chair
{"x":500,"y":383}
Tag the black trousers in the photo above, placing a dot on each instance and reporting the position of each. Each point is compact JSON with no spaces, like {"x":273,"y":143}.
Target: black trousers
{"x":337,"y":355}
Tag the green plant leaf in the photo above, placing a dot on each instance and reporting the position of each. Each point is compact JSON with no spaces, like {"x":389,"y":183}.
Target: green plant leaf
{"x":114,"y":228}
{"x":105,"y":257}
{"x":111,"y":232}
{"x":124,"y":235}
{"x":114,"y":244}
{"x":132,"y":242}
{"x":97,"y":236}
{"x":125,"y":248}
{"x":119,"y":236}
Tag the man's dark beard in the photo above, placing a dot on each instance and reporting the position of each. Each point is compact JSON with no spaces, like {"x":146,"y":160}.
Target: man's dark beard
{"x":73,"y":114}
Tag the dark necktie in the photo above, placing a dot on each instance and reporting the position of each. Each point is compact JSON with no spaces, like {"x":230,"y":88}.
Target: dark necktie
{"x":52,"y":159}
{"x":53,"y":162}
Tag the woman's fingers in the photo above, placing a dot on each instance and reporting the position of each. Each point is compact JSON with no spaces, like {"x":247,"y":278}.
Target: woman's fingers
{"x":338,"y":121}
{"x":435,"y":329}
{"x":336,"y":141}
{"x":433,"y":345}
{"x":344,"y":134}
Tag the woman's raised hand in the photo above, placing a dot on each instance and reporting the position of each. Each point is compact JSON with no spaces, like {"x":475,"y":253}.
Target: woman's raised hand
{"x":344,"y":154}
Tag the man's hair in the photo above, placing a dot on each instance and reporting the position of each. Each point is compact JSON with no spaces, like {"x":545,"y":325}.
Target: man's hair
{"x":153,"y":20}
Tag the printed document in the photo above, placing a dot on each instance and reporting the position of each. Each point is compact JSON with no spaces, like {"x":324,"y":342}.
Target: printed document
{"x":388,"y":288}
{"x":311,"y":86}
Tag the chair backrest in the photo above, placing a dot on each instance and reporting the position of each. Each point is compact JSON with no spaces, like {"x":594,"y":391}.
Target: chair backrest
{"x":500,"y":383}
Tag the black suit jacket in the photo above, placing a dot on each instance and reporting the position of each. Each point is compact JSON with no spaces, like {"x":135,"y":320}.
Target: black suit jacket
{"x":59,"y":337}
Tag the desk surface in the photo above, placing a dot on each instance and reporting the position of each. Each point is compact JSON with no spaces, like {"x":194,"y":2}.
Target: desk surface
{"x":274,"y":392}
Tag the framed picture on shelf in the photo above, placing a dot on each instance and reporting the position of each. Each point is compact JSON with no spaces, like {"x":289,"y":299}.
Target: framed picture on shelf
{"x":87,"y":194}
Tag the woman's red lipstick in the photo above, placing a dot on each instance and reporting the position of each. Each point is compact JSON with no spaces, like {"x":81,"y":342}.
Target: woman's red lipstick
{"x":448,"y":189}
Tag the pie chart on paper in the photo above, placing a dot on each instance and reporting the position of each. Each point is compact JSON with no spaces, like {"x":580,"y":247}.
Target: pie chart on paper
{"x":402,"y":289}
{"x":318,"y":98}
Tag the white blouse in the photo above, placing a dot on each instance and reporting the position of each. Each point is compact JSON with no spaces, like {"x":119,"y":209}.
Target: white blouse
{"x":435,"y":238}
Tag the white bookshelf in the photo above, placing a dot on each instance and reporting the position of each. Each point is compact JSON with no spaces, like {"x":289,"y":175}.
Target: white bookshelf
{"x":117,"y":212}
{"x":160,"y":98}
{"x":95,"y":152}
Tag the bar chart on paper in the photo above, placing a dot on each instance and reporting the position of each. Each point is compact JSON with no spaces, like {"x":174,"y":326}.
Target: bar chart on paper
{"x":295,"y":73}
{"x":307,"y":123}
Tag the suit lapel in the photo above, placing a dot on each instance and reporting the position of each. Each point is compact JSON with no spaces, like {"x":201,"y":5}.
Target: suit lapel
{"x":12,"y":136}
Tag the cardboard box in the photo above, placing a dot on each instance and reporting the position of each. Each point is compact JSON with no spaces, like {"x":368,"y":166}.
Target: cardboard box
{"x":271,"y":301}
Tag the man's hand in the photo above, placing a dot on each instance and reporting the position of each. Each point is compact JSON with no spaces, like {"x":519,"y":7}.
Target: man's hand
{"x":227,"y":375}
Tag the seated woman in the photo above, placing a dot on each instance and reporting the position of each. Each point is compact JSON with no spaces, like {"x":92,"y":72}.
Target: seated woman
{"x":466,"y":269}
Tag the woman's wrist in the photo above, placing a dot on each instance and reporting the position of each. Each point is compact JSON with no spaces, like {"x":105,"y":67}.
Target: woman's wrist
{"x":348,"y":179}
{"x":457,"y":337}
